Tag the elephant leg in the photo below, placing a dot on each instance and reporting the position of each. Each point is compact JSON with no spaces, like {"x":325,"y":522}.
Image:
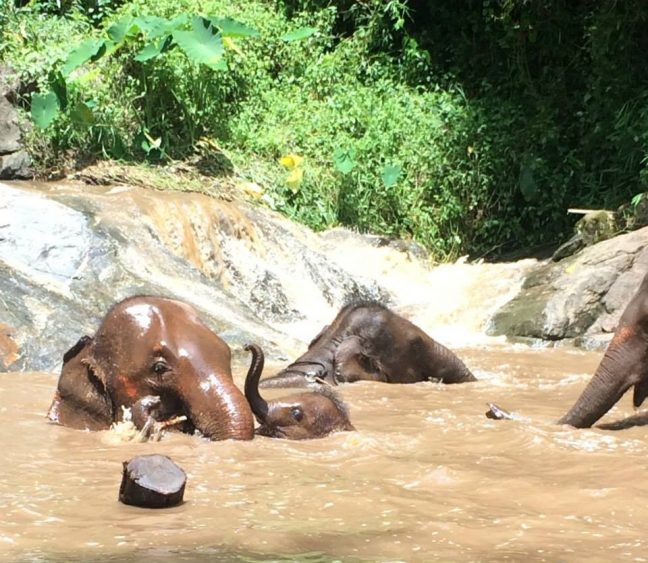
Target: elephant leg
{"x":353,"y":364}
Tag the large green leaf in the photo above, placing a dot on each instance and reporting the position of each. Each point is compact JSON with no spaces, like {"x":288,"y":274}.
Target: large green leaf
{"x":59,"y":87}
{"x":89,"y":49}
{"x":201,"y":44}
{"x":298,"y":34}
{"x":82,"y":114}
{"x":44,"y":108}
{"x":123,"y":28}
{"x":344,"y":160}
{"x":154,"y":26}
{"x":390,"y":175}
{"x":232,"y":28}
{"x":153,"y":49}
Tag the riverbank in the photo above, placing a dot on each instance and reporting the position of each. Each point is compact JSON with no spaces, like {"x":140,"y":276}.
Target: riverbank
{"x":69,"y":250}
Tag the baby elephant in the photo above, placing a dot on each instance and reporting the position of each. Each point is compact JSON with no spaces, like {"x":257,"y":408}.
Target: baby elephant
{"x":313,"y":414}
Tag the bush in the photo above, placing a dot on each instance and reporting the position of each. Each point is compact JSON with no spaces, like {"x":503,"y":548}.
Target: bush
{"x":468,"y":126}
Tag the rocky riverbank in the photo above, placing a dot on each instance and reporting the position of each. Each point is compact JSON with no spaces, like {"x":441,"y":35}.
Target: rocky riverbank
{"x":68,"y":251}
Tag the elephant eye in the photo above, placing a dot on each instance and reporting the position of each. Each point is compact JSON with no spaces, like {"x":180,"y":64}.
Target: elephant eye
{"x":160,"y":367}
{"x":297,"y":413}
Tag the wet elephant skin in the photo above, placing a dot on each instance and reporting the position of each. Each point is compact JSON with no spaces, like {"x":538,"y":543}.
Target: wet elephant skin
{"x":152,"y":346}
{"x":367,"y":341}
{"x":312,"y":414}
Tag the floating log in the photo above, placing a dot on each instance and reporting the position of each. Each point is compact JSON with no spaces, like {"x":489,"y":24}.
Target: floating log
{"x":152,"y":481}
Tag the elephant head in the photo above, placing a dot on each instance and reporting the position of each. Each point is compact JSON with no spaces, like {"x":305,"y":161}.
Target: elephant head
{"x":312,"y":414}
{"x":367,"y":341}
{"x":152,"y":346}
{"x":624,"y":364}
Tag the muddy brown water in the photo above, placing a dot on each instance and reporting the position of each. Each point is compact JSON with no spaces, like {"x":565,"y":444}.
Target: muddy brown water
{"x":426,"y":477}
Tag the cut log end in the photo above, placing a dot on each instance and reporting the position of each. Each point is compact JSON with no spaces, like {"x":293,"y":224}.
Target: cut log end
{"x":152,"y":481}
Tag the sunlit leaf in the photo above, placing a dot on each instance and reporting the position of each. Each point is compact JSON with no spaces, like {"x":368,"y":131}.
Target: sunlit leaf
{"x":154,"y":26}
{"x":152,"y":50}
{"x":122,"y":28}
{"x":390,"y":175}
{"x":228,"y":43}
{"x":89,"y":49}
{"x":299,"y":34}
{"x":291,"y":161}
{"x":201,"y":44}
{"x":294,"y":179}
{"x":344,"y":160}
{"x":44,"y":108}
{"x":232,"y":28}
{"x":82,"y":114}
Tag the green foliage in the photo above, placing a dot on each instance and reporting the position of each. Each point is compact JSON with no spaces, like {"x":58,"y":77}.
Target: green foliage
{"x":470,"y":126}
{"x":44,"y":109}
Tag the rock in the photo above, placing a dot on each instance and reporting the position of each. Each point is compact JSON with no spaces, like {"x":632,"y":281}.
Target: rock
{"x":15,"y":163}
{"x":152,"y":481}
{"x":9,"y":81}
{"x":8,"y":347}
{"x":69,"y":252}
{"x":15,"y":166}
{"x":497,"y":413}
{"x":580,"y":298}
{"x":9,"y":129}
{"x":593,"y":227}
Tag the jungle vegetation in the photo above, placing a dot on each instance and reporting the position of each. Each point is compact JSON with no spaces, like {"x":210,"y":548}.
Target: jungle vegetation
{"x":469,"y":126}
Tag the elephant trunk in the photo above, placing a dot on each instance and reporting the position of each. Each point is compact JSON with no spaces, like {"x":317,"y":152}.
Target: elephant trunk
{"x":257,"y":403}
{"x":218,"y":409}
{"x":611,"y":380}
{"x":450,"y":367}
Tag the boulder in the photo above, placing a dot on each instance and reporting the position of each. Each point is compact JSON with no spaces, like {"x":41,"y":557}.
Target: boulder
{"x":15,"y":163}
{"x":580,"y":298}
{"x":68,"y":252}
{"x":15,"y":166}
{"x":152,"y":481}
{"x":9,"y":130}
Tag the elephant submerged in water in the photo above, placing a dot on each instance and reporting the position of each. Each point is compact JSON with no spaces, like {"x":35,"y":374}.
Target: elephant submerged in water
{"x":313,"y":414}
{"x":154,"y":357}
{"x":624,"y":365}
{"x":152,"y":347}
{"x":367,"y":341}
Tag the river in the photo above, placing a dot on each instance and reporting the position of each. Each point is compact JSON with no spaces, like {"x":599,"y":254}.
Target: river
{"x":426,"y":476}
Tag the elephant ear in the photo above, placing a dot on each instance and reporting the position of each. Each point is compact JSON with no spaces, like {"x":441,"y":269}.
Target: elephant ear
{"x":640,"y":392}
{"x":81,"y":400}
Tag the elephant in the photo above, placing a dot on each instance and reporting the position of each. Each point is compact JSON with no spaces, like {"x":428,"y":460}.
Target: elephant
{"x":624,"y":364}
{"x":367,"y":341}
{"x":312,"y":414}
{"x":152,"y":347}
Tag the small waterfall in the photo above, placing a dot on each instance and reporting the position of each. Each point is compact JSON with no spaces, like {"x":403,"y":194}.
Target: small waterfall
{"x":254,"y":274}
